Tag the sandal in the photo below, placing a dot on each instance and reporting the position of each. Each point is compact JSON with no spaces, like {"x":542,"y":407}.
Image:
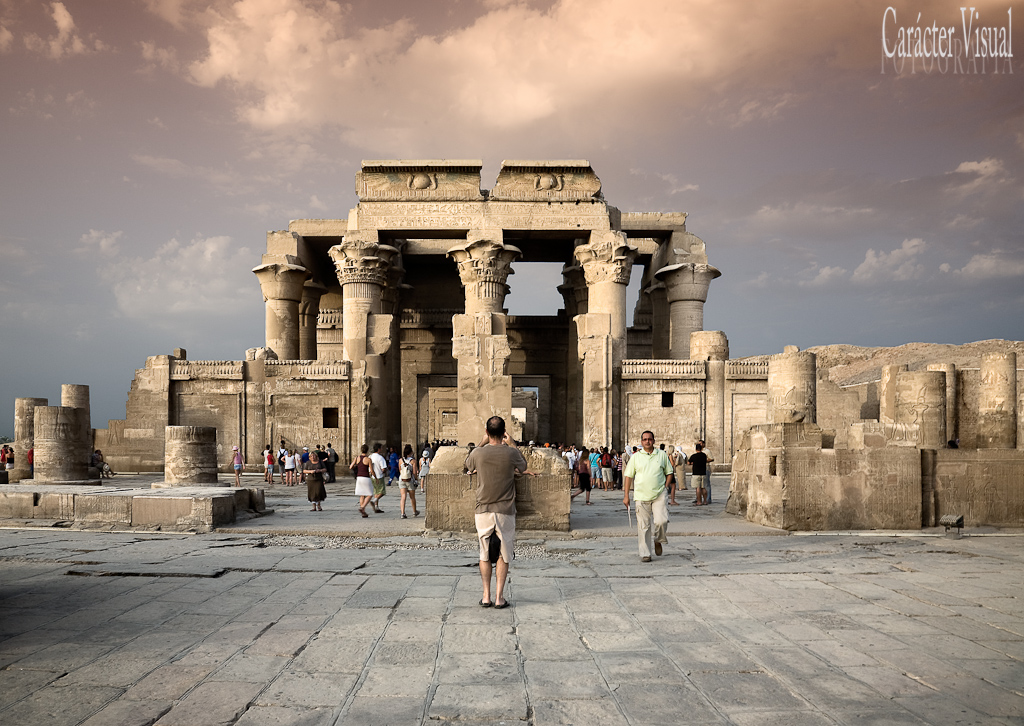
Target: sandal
{"x":415,"y":513}
{"x":363,"y":512}
{"x":404,"y":517}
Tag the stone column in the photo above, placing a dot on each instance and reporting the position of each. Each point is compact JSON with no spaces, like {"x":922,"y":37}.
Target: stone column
{"x":363,"y":265}
{"x":281,"y":284}
{"x":309,"y":313}
{"x":57,"y":432}
{"x":574,"y":296}
{"x":24,"y":435}
{"x":607,"y":261}
{"x":686,"y":287}
{"x":190,"y":457}
{"x":712,"y":346}
{"x":73,"y":395}
{"x":661,"y":322}
{"x":997,"y":401}
{"x":887,"y":393}
{"x":793,"y":388}
{"x":484,"y":265}
{"x":480,"y":340}
{"x":952,"y":412}
{"x":921,"y":402}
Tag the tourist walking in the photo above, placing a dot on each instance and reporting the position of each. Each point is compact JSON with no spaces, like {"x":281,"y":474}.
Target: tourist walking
{"x":407,"y":473}
{"x":607,"y":463}
{"x":289,"y":468}
{"x":392,"y":465}
{"x":583,"y":475}
{"x":332,"y":463}
{"x":670,"y":450}
{"x":237,"y":463}
{"x":268,"y":465}
{"x":595,"y":468}
{"x":495,"y":464}
{"x":678,"y":461}
{"x":378,"y":471}
{"x":648,"y":473}
{"x":364,"y":486}
{"x":314,"y":470}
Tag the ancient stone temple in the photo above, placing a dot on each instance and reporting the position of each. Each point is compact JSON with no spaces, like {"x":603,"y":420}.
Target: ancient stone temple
{"x":390,"y":325}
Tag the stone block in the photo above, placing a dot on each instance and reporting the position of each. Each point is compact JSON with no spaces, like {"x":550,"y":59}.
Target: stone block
{"x":16,"y":505}
{"x":55,"y":505}
{"x":106,"y":508}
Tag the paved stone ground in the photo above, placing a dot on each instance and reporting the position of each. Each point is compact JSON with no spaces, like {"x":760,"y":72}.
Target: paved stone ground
{"x":742,"y":628}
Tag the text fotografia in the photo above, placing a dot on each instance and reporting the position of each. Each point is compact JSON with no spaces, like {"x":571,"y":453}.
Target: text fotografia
{"x":977,"y":46}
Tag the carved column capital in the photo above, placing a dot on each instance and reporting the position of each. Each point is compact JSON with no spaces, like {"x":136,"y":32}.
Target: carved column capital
{"x":360,"y":260}
{"x":606,"y":257}
{"x":687,"y":280}
{"x":484,"y":266}
{"x":281,"y":281}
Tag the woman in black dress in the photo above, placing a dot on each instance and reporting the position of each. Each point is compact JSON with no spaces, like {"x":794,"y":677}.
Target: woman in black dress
{"x":315,"y":491}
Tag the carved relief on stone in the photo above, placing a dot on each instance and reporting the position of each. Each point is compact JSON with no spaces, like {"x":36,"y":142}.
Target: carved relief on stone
{"x":607,"y":257}
{"x":484,"y":265}
{"x":281,"y":281}
{"x":438,"y":180}
{"x":361,"y":260}
{"x":546,"y":181}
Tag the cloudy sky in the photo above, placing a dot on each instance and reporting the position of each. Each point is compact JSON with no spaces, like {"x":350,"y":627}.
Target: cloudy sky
{"x":148,"y":145}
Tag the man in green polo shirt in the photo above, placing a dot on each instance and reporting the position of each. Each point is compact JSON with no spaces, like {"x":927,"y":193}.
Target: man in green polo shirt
{"x":650,"y":472}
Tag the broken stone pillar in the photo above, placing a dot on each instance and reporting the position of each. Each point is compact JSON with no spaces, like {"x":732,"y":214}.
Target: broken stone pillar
{"x":74,"y":395}
{"x":281,"y":284}
{"x":190,"y":457}
{"x":363,"y":265}
{"x":309,"y":313}
{"x":793,"y":388}
{"x":607,"y":261}
{"x":712,"y":346}
{"x":952,"y":414}
{"x":24,"y":435}
{"x":997,"y":401}
{"x":921,"y":402}
{"x":887,"y":393}
{"x":479,"y":337}
{"x":58,"y":457}
{"x":686,"y":288}
{"x":484,"y":265}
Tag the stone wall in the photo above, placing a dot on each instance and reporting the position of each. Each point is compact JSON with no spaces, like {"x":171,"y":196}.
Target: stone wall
{"x":783,"y":478}
{"x":986,"y":486}
{"x":542,"y":502}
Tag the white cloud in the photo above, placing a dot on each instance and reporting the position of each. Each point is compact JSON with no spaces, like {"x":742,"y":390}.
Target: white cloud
{"x":824,"y":277}
{"x":315,"y":203}
{"x":97,"y":241}
{"x":899,"y":265}
{"x":980,"y":176}
{"x":6,"y":39}
{"x":183,"y":280}
{"x":164,"y":58}
{"x":66,"y":41}
{"x":992,"y":265}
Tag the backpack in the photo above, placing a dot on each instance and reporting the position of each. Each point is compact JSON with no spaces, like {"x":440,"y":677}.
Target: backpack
{"x":606,"y":461}
{"x":404,"y":469}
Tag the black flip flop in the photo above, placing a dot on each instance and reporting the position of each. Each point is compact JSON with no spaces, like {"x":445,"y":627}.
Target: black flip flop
{"x":502,"y":607}
{"x":486,"y":604}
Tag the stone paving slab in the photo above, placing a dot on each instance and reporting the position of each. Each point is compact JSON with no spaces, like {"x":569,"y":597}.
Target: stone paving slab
{"x":224,"y":629}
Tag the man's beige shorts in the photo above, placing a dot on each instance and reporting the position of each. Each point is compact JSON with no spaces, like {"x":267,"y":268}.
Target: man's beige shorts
{"x":505,"y":524}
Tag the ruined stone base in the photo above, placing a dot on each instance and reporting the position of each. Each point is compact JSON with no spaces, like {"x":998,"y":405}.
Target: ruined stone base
{"x":542,"y":501}
{"x":195,"y":509}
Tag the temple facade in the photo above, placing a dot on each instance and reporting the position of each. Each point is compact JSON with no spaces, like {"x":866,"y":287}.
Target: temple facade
{"x":390,"y":325}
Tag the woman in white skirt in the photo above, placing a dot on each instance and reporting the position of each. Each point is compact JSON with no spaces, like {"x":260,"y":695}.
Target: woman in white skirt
{"x":424,"y":469}
{"x":364,"y":485}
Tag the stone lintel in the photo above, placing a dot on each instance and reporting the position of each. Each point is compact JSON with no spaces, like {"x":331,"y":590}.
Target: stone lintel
{"x":653,"y":221}
{"x":319,"y":227}
{"x":547,"y":180}
{"x":419,"y":180}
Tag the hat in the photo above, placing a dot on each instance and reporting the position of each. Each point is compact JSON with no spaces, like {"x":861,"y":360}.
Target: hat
{"x":234,"y":448}
{"x":305,"y":448}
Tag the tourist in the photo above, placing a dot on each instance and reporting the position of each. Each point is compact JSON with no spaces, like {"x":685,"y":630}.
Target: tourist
{"x":300,"y":465}
{"x":679,"y":471}
{"x":281,"y":453}
{"x":392,"y":465}
{"x":364,"y":486}
{"x":4,"y":455}
{"x":268,"y":464}
{"x":583,"y":475}
{"x":595,"y":469}
{"x":648,"y":473}
{"x":607,"y":462}
{"x":408,"y":470}
{"x":424,"y":469}
{"x":495,"y":464}
{"x":289,"y":468}
{"x":332,"y":463}
{"x":237,"y":463}
{"x":378,"y":472}
{"x":699,"y":465}
{"x":30,"y":457}
{"x":670,"y":451}
{"x":315,"y":491}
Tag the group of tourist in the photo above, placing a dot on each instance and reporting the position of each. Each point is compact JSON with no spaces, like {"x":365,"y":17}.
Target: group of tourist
{"x":7,"y":459}
{"x":374,"y":473}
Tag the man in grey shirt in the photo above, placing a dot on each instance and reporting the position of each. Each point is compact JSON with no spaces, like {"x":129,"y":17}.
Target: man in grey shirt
{"x":495,"y":465}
